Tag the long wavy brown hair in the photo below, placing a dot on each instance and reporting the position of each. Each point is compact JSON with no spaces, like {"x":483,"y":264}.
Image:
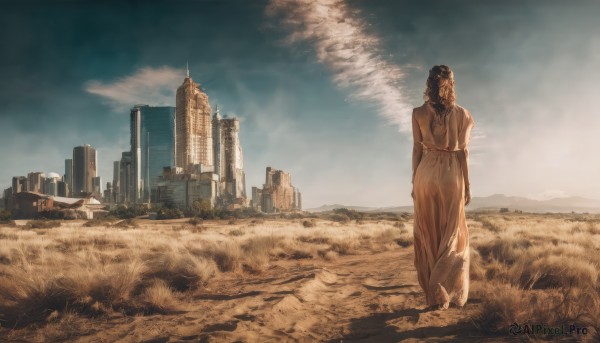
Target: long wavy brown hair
{"x":440,"y":88}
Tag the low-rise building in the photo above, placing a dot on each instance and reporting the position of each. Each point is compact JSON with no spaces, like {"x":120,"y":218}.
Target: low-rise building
{"x":179,"y":189}
{"x":278,"y":194}
{"x":29,"y":205}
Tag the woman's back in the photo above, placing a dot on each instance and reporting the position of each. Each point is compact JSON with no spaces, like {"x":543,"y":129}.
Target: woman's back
{"x":444,"y":132}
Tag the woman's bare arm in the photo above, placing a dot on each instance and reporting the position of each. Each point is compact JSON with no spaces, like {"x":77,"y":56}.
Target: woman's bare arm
{"x":417,"y":147}
{"x":463,"y":158}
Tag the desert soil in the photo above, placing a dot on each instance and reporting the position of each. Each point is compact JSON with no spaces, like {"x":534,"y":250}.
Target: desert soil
{"x":355,"y":298}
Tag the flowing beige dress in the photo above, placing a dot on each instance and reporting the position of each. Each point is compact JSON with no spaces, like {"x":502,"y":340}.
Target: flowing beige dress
{"x":441,"y":236}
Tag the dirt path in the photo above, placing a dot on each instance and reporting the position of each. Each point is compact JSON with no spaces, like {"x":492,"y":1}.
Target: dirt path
{"x":366,"y":298}
{"x":355,"y":298}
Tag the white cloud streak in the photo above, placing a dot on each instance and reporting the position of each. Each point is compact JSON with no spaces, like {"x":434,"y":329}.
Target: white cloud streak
{"x":151,"y":86}
{"x":353,"y":55}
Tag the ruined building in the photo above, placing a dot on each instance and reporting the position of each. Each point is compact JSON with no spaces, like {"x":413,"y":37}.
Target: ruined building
{"x":35,"y":182}
{"x":278,"y":194}
{"x":229,"y":161}
{"x":180,"y":189}
{"x":193,"y":130}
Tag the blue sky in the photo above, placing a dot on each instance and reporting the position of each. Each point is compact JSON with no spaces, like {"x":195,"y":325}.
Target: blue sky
{"x":324,"y":88}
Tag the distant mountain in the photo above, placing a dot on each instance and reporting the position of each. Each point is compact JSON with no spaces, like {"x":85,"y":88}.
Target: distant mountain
{"x":326,"y":208}
{"x":495,"y":202}
{"x":566,"y":204}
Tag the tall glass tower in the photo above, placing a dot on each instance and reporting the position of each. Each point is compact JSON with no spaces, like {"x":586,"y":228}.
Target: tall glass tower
{"x":154,"y":137}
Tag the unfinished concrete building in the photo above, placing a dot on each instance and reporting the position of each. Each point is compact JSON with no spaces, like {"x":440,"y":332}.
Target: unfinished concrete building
{"x":229,"y":161}
{"x":193,"y":127}
{"x":278,"y":194}
{"x":35,"y":182}
{"x":177,"y":188}
{"x":256,"y":201}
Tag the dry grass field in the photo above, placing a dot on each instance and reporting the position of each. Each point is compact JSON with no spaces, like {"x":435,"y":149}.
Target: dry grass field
{"x":259,"y":280}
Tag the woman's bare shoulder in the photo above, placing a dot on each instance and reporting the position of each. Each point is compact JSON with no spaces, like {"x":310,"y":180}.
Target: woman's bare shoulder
{"x":462,"y":109}
{"x":421,"y":110}
{"x":466,"y":114}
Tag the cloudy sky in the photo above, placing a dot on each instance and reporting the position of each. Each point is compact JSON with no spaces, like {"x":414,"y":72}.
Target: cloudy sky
{"x":324,"y":89}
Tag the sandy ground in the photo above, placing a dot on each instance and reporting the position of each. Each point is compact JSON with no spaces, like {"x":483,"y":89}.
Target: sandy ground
{"x":356,"y":298}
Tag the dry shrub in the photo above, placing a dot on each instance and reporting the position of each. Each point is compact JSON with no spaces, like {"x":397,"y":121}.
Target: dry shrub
{"x":195,"y":221}
{"x":28,"y":296}
{"x":180,"y":270}
{"x":9,"y":236}
{"x":404,"y":241}
{"x":159,"y":298}
{"x":594,"y":229}
{"x":497,"y":270}
{"x":504,"y":304}
{"x":227,"y":256}
{"x":399,"y":225}
{"x":78,"y":243}
{"x":486,"y":224}
{"x":189,"y":227}
{"x":340,"y":218}
{"x":477,"y":270}
{"x":328,"y":255}
{"x":42,"y":224}
{"x":309,"y":223}
{"x":236,"y":232}
{"x":261,"y":244}
{"x":316,"y":239}
{"x":126,"y":223}
{"x":387,"y":236}
{"x":257,"y":251}
{"x":555,"y":271}
{"x":98,"y":222}
{"x":298,"y":254}
{"x":6,"y":256}
{"x":344,"y":246}
{"x":577,"y":229}
{"x":505,"y":249}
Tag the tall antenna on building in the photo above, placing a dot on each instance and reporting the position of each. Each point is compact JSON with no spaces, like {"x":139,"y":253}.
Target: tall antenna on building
{"x":187,"y":67}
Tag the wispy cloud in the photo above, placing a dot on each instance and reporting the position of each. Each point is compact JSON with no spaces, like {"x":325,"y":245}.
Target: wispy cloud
{"x":344,"y":45}
{"x":152,"y":86}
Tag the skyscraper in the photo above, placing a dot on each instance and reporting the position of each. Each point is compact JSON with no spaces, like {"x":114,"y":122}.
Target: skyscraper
{"x":136,"y":153}
{"x":69,"y":175}
{"x":156,"y":141}
{"x":97,"y":186}
{"x":126,"y":190}
{"x":116,"y":184}
{"x":216,"y":127}
{"x":193,"y":129}
{"x":84,"y":169}
{"x":231,"y":171}
{"x":51,"y":184}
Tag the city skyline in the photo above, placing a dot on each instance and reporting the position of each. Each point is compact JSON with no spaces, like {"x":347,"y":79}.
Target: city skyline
{"x":523,"y":70}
